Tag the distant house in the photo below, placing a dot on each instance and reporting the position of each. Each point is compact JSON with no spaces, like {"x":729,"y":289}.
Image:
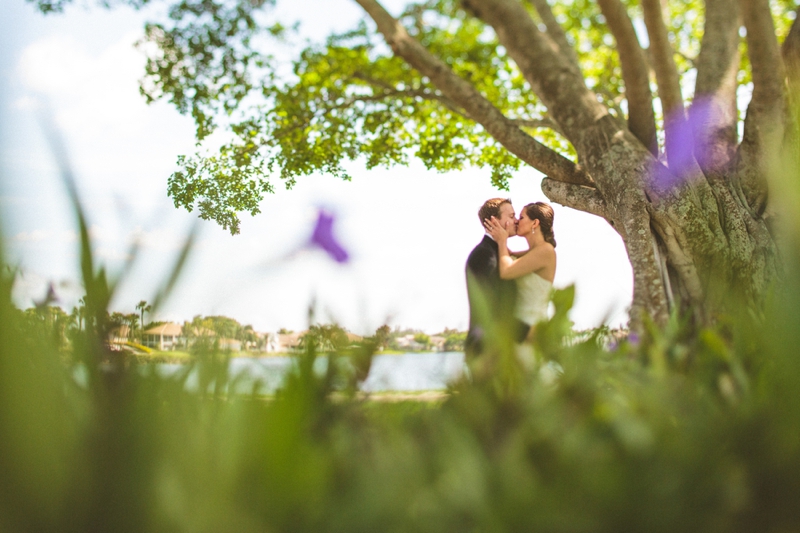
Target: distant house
{"x":352,"y":337}
{"x":230,"y":344}
{"x":437,"y":343}
{"x":272,"y":342}
{"x":288,"y":342}
{"x":119,"y":335}
{"x":407,"y":342}
{"x":164,"y":337}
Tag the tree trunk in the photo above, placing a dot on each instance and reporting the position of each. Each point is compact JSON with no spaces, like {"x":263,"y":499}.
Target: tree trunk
{"x":692,"y":244}
{"x":694,"y":229}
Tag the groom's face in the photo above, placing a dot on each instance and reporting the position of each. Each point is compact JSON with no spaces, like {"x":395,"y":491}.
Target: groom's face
{"x":507,"y":219}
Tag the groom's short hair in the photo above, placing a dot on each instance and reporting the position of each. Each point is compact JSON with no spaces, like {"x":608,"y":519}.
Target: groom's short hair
{"x":491,"y":208}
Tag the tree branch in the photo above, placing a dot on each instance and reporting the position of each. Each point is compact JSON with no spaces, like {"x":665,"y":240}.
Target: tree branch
{"x":790,"y":51}
{"x":464,"y":94}
{"x":635,"y":73}
{"x":449,"y":104}
{"x":613,"y":102}
{"x":552,"y":77}
{"x":578,"y":197}
{"x":764,"y":123}
{"x":556,"y":32}
{"x":717,"y":64}
{"x":765,"y":57}
{"x":347,"y":102}
{"x":668,"y":79}
{"x":669,"y":83}
{"x":545,"y":122}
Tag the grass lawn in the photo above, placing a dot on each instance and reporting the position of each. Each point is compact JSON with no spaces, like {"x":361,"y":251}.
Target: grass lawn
{"x":158,"y":356}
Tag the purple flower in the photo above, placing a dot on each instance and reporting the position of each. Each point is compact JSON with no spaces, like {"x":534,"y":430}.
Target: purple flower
{"x":633,"y":339}
{"x":323,"y":237}
{"x":49,"y":298}
{"x":689,"y":140}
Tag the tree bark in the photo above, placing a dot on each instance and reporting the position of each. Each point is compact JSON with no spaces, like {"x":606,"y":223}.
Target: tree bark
{"x":618,"y":163}
{"x":715,"y":87}
{"x":460,"y":91}
{"x":763,"y":125}
{"x":690,"y":235}
{"x":669,"y":83}
{"x":557,"y":84}
{"x":635,"y":74}
{"x":579,"y":197}
{"x":790,"y":51}
{"x":669,"y":88}
{"x":556,"y":32}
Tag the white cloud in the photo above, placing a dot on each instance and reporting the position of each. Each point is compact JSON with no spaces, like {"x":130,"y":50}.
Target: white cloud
{"x":98,"y":233}
{"x":25,"y":103}
{"x":115,"y":140}
{"x":160,"y":239}
{"x":111,"y":254}
{"x":92,"y":91}
{"x":31,"y":286}
{"x":68,"y":236}
{"x":31,"y":236}
{"x":55,"y":64}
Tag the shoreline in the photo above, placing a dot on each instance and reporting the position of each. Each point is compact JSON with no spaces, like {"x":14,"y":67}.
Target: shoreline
{"x":181,"y":357}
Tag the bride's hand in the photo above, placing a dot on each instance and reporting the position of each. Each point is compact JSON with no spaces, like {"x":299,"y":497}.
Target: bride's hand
{"x":495,"y":229}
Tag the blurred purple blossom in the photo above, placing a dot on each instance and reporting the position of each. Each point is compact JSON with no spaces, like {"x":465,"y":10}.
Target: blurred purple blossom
{"x":323,"y":237}
{"x":49,"y":298}
{"x":686,"y":145}
{"x":633,"y":339}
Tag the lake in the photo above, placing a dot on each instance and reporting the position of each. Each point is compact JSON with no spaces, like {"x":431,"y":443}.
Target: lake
{"x":404,"y":372}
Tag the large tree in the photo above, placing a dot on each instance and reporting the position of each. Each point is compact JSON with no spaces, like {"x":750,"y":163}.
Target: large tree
{"x":630,"y":109}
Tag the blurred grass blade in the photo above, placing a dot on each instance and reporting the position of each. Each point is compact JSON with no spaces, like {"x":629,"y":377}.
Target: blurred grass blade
{"x":180,"y":262}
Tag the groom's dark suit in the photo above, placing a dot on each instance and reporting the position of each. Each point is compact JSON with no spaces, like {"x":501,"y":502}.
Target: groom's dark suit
{"x":499,"y":296}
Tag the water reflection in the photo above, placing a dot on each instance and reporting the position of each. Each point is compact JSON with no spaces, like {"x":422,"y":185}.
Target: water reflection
{"x":413,"y":371}
{"x":405,"y":372}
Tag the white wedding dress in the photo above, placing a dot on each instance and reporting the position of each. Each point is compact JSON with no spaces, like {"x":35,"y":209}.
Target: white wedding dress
{"x":533,"y":297}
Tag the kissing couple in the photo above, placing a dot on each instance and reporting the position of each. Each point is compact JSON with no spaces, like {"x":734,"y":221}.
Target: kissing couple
{"x":509,"y":291}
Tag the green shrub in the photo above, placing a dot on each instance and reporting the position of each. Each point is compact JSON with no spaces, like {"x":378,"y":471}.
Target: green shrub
{"x":677,"y":430}
{"x":680,"y":432}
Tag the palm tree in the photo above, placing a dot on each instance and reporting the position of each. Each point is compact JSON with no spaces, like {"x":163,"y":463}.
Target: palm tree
{"x":326,"y":338}
{"x":132,"y":320}
{"x":143,"y":308}
{"x":80,"y":312}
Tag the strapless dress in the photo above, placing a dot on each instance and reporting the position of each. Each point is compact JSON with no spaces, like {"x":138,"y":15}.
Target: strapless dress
{"x":533,"y":297}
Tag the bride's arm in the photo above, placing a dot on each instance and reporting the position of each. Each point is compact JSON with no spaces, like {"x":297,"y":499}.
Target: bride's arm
{"x":512,"y":268}
{"x":533,"y":261}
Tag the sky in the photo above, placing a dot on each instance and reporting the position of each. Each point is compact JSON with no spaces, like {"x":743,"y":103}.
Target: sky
{"x":408,"y":230}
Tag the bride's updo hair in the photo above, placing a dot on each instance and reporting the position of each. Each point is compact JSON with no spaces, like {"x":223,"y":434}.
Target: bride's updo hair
{"x":544,"y":214}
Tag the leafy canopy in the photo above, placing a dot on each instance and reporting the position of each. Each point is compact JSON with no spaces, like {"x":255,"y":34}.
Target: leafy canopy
{"x":349,"y":98}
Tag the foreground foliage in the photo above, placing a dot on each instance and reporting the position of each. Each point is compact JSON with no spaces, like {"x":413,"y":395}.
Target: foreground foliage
{"x":675,"y":431}
{"x":678,"y":429}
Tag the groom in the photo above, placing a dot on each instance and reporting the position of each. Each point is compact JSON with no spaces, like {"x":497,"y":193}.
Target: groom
{"x":491,"y":300}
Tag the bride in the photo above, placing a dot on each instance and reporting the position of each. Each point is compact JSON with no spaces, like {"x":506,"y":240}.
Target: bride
{"x":534,"y":269}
